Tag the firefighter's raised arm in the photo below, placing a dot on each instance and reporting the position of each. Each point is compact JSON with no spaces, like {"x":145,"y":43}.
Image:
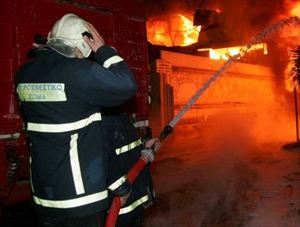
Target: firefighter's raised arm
{"x":107,"y":82}
{"x":93,"y":38}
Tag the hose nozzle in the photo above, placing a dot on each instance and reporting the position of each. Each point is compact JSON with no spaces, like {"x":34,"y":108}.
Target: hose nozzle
{"x":167,"y":131}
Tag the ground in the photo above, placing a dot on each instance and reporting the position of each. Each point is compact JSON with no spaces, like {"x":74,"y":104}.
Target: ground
{"x":227,"y":175}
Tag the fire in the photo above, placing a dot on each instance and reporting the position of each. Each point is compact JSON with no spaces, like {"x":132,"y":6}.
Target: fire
{"x":295,"y":10}
{"x":178,"y":30}
{"x":291,"y":34}
{"x":226,"y":53}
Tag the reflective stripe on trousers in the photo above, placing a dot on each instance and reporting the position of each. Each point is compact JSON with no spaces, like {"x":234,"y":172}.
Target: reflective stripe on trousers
{"x":117,"y":183}
{"x":128,"y":147}
{"x":134,"y":205}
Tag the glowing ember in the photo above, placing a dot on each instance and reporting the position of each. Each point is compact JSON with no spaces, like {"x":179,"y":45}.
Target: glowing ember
{"x":226,"y":53}
{"x":178,"y":30}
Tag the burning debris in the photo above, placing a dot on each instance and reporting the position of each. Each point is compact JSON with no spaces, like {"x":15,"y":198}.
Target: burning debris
{"x":173,"y":30}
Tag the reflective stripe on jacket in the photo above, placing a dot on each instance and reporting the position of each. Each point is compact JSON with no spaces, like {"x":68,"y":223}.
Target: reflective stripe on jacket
{"x":61,"y":98}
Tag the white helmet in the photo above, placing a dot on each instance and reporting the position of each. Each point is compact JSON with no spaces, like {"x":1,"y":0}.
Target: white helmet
{"x":66,"y":35}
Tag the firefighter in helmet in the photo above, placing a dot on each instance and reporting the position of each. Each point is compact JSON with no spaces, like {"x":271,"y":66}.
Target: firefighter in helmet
{"x":60,"y":94}
{"x":126,"y":147}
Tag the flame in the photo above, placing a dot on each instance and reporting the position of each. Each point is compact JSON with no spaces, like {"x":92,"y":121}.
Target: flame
{"x":226,"y":53}
{"x":177,"y":31}
{"x":295,"y":11}
{"x":292,"y":33}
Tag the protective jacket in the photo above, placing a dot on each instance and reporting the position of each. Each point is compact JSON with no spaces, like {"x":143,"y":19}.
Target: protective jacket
{"x":60,"y":99}
{"x":125,"y":150}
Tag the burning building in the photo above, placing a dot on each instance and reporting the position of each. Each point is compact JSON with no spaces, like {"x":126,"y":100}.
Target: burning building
{"x":220,"y":168}
{"x":207,"y":35}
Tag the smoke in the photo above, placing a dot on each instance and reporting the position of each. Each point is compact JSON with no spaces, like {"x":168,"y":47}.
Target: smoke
{"x":205,"y":174}
{"x":243,"y":19}
{"x":239,"y":19}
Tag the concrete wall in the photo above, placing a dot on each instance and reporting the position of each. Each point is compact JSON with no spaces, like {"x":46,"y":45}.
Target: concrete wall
{"x":242,"y":88}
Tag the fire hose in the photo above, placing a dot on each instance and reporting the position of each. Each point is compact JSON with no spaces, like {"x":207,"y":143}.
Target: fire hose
{"x":140,"y":164}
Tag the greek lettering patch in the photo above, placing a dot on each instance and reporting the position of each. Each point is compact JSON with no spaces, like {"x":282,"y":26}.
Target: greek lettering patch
{"x":41,"y":92}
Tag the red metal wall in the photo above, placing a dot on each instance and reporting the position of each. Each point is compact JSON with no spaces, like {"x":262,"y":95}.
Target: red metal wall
{"x":122,"y":24}
{"x":9,"y":122}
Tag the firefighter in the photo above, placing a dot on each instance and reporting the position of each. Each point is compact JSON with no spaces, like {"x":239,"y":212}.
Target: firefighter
{"x":125,"y":149}
{"x":61,"y":93}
